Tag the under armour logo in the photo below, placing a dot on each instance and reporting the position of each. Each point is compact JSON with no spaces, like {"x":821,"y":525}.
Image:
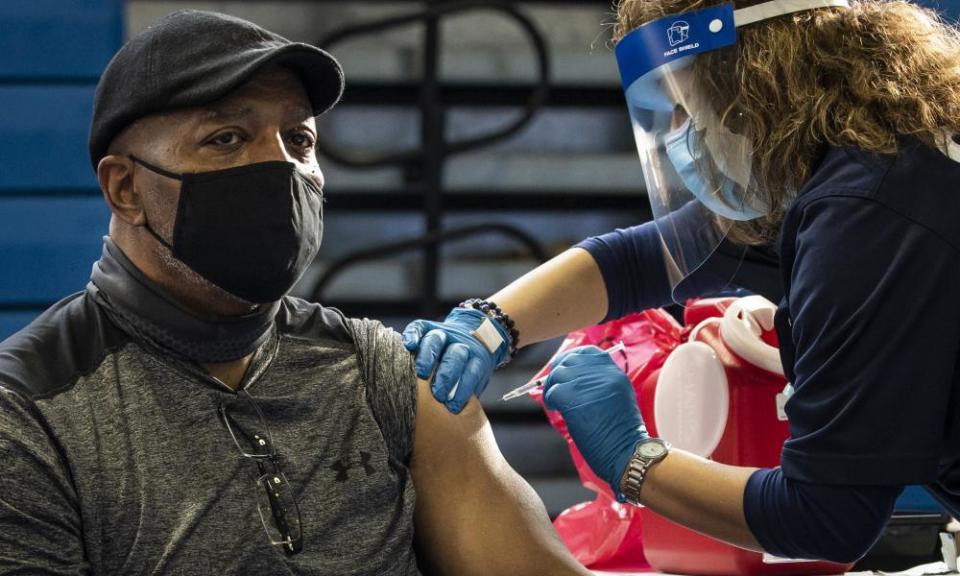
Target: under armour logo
{"x":344,"y":465}
{"x":678,"y":32}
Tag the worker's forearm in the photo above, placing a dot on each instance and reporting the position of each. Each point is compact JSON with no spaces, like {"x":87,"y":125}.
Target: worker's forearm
{"x":700,"y":494}
{"x":562,"y":295}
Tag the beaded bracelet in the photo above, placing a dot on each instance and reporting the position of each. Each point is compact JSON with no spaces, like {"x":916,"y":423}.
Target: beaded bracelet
{"x":495,"y":313}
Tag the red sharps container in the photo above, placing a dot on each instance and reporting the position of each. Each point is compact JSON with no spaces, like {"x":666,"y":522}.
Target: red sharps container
{"x":720,"y":395}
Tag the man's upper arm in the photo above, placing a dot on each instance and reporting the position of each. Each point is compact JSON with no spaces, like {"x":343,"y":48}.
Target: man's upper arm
{"x":474,"y":514}
{"x":40,"y":525}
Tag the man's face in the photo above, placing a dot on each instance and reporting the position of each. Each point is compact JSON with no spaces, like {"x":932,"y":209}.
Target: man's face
{"x":266,"y":119}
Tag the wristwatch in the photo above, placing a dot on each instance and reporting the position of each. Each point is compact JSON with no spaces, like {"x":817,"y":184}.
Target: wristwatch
{"x":647,"y":453}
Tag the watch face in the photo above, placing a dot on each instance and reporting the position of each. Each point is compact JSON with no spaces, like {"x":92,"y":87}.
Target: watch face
{"x":652,"y":449}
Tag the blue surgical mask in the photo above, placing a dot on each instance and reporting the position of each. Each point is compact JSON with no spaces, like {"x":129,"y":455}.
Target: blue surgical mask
{"x":685,"y":154}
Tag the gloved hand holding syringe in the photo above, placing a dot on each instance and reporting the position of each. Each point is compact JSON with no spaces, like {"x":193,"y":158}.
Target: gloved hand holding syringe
{"x":521,"y":390}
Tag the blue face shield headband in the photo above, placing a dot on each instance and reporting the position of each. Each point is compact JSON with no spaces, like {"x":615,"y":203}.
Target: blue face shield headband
{"x":697,"y":171}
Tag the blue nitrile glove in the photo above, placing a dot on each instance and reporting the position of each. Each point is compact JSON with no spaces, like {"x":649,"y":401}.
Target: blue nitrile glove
{"x":600,"y":407}
{"x":466,"y":364}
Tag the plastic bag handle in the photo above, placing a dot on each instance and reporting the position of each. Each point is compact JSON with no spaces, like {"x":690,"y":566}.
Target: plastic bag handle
{"x":741,"y":328}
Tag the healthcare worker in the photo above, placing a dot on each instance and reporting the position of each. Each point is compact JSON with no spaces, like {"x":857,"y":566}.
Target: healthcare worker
{"x":823,"y":130}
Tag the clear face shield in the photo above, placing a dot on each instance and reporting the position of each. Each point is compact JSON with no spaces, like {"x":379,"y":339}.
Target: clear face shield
{"x":697,"y":166}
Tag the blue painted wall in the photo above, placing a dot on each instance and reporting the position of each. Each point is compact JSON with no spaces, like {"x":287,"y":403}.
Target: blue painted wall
{"x":47,"y":246}
{"x":10,"y":322}
{"x":51,"y":215}
{"x":58,"y":40}
{"x":949,"y":9}
{"x":43,"y":147}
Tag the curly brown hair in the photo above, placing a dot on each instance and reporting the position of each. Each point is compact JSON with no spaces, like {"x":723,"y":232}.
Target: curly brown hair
{"x":863,"y":76}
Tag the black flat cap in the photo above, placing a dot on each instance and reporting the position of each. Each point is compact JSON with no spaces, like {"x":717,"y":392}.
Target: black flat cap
{"x":192,"y":58}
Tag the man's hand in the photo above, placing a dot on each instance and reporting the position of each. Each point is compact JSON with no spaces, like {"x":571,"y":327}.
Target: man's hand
{"x":600,"y":407}
{"x":465,"y":363}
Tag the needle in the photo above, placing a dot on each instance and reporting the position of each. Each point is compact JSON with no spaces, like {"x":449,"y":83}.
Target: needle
{"x":520,"y":391}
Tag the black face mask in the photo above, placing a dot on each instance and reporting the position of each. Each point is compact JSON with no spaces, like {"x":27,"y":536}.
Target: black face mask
{"x":252,"y":230}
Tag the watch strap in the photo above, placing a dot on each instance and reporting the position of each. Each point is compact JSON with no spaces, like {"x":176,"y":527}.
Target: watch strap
{"x":636,"y":472}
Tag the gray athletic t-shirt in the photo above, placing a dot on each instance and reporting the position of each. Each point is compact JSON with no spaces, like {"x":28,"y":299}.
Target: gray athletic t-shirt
{"x":116,"y":459}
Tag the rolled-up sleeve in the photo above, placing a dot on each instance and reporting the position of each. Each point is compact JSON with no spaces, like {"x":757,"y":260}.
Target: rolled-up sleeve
{"x":631,"y":261}
{"x":794,"y":519}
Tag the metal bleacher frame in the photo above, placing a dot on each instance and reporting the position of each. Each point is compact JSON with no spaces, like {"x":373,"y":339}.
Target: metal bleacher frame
{"x":424,"y":165}
{"x":424,"y":168}
{"x":527,"y":441}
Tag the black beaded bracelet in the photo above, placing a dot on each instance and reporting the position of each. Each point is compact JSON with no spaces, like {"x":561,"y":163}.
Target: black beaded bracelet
{"x":495,"y":313}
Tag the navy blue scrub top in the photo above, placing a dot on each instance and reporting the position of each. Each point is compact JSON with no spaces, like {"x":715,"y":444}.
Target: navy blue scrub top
{"x":868,"y":278}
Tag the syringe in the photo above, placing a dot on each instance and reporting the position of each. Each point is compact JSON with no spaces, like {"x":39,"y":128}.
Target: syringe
{"x":520,"y":391}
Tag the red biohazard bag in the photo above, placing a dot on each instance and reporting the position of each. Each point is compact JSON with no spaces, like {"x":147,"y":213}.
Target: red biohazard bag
{"x":715,"y":388}
{"x":604,"y":533}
